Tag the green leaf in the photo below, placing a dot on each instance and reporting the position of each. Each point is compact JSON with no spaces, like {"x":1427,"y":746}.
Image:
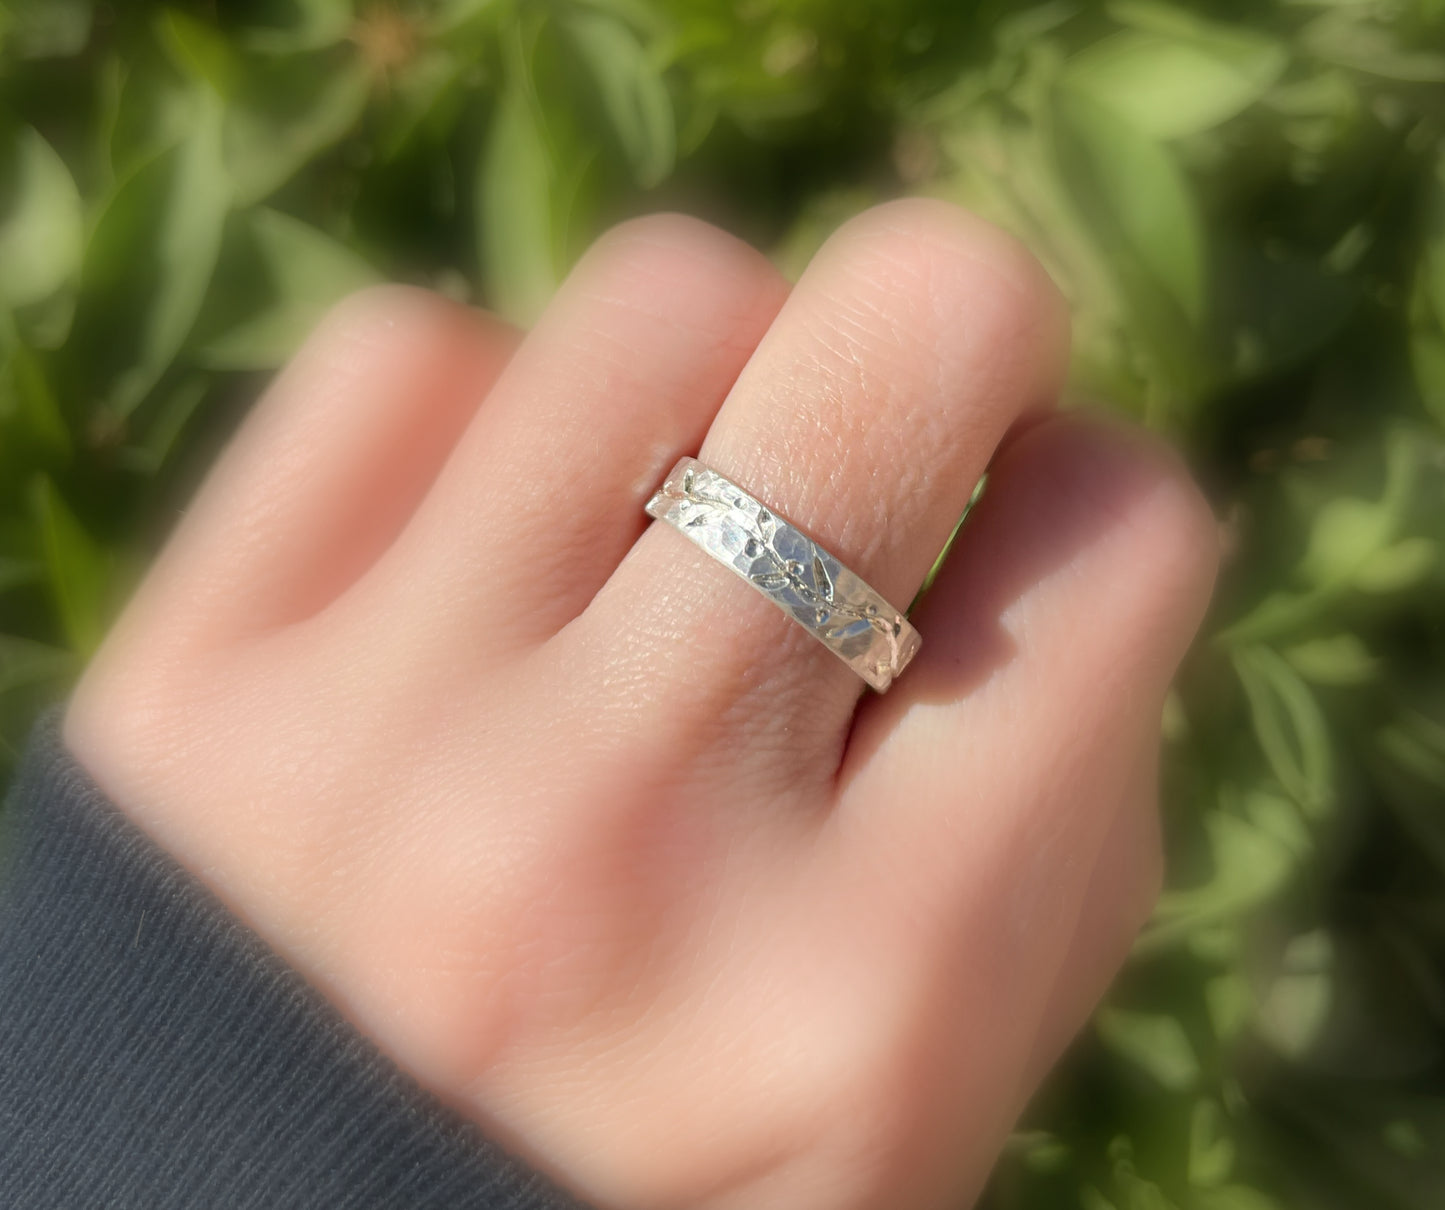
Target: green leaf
{"x":633,"y":93}
{"x":447,"y":17}
{"x":45,"y":29}
{"x":167,"y":423}
{"x":1167,"y":86}
{"x":26,"y":394}
{"x":1211,"y":1150}
{"x":1280,"y":818}
{"x":306,"y":272}
{"x":1229,"y":999}
{"x":424,"y":97}
{"x":1156,"y":1044}
{"x":1347,"y":36}
{"x":1427,"y":357}
{"x":1289,"y":726}
{"x":186,"y":252}
{"x":1432,"y":269}
{"x":1297,"y":1005}
{"x":151,"y":256}
{"x":24,"y":662}
{"x":198,"y":50}
{"x":517,"y":206}
{"x":75,"y":567}
{"x":42,"y":229}
{"x":1039,"y":1150}
{"x":1345,"y":534}
{"x":1397,"y":567}
{"x":287,"y":112}
{"x":1145,"y":192}
{"x":20,"y":573}
{"x":313,"y":25}
{"x":1233,"y":1197}
{"x":1339,"y":660}
{"x":1403,"y":1137}
{"x":1417,"y":744}
{"x":1250,"y":866}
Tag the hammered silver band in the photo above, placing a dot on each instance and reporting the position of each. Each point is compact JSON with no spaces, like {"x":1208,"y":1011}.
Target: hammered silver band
{"x":796,"y":574}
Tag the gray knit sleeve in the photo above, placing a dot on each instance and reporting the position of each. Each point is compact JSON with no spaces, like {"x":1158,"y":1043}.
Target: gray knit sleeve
{"x":155,"y":1054}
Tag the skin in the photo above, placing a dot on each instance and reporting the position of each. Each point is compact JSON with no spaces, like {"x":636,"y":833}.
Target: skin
{"x":587,"y":835}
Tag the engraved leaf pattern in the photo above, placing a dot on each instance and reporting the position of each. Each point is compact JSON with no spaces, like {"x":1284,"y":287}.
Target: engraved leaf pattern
{"x":833,"y":619}
{"x":822,"y":581}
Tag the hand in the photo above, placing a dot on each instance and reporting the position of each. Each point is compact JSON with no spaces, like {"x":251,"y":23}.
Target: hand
{"x":585,"y":833}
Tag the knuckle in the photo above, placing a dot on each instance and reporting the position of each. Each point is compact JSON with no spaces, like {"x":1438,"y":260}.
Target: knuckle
{"x":384,"y":314}
{"x":673,"y":272}
{"x":670,"y":247}
{"x":964,"y":295}
{"x":115,"y":714}
{"x":1177,"y":532}
{"x":960,"y":252}
{"x":1166,"y":535}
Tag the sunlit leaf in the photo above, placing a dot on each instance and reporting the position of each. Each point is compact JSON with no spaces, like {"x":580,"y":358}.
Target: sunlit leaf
{"x":198,"y":49}
{"x":1289,"y":725}
{"x":1230,"y":1001}
{"x":41,"y":225}
{"x":632,"y":91}
{"x":1398,"y":566}
{"x":1168,"y":86}
{"x":1348,"y":36}
{"x":1040,"y":1150}
{"x":1156,"y":1044}
{"x":1130,"y":1187}
{"x":1249,"y":867}
{"x":1345,"y":534}
{"x":156,"y":245}
{"x":1279,"y":817}
{"x":1148,"y":197}
{"x":1341,"y":659}
{"x":1298,"y":1002}
{"x":1211,"y":1150}
{"x":516,"y":205}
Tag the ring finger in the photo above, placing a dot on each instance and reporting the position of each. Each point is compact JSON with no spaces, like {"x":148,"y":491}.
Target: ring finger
{"x":910,"y":346}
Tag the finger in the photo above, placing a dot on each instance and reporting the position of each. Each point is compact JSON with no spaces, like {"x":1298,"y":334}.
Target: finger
{"x":911,"y":344}
{"x":1121,"y":894}
{"x":975,"y":798}
{"x":621,"y":376}
{"x":328,"y":466}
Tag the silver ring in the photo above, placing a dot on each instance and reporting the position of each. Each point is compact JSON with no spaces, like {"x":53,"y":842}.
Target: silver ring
{"x":796,"y":574}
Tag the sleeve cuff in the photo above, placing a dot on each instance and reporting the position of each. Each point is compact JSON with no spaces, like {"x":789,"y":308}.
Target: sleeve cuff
{"x":154,"y":1053}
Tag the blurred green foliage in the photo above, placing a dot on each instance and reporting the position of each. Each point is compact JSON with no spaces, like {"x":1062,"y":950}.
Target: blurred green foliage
{"x":1244,"y":202}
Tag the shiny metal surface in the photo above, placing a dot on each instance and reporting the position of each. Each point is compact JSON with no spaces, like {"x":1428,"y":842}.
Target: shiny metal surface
{"x":805,"y":581}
